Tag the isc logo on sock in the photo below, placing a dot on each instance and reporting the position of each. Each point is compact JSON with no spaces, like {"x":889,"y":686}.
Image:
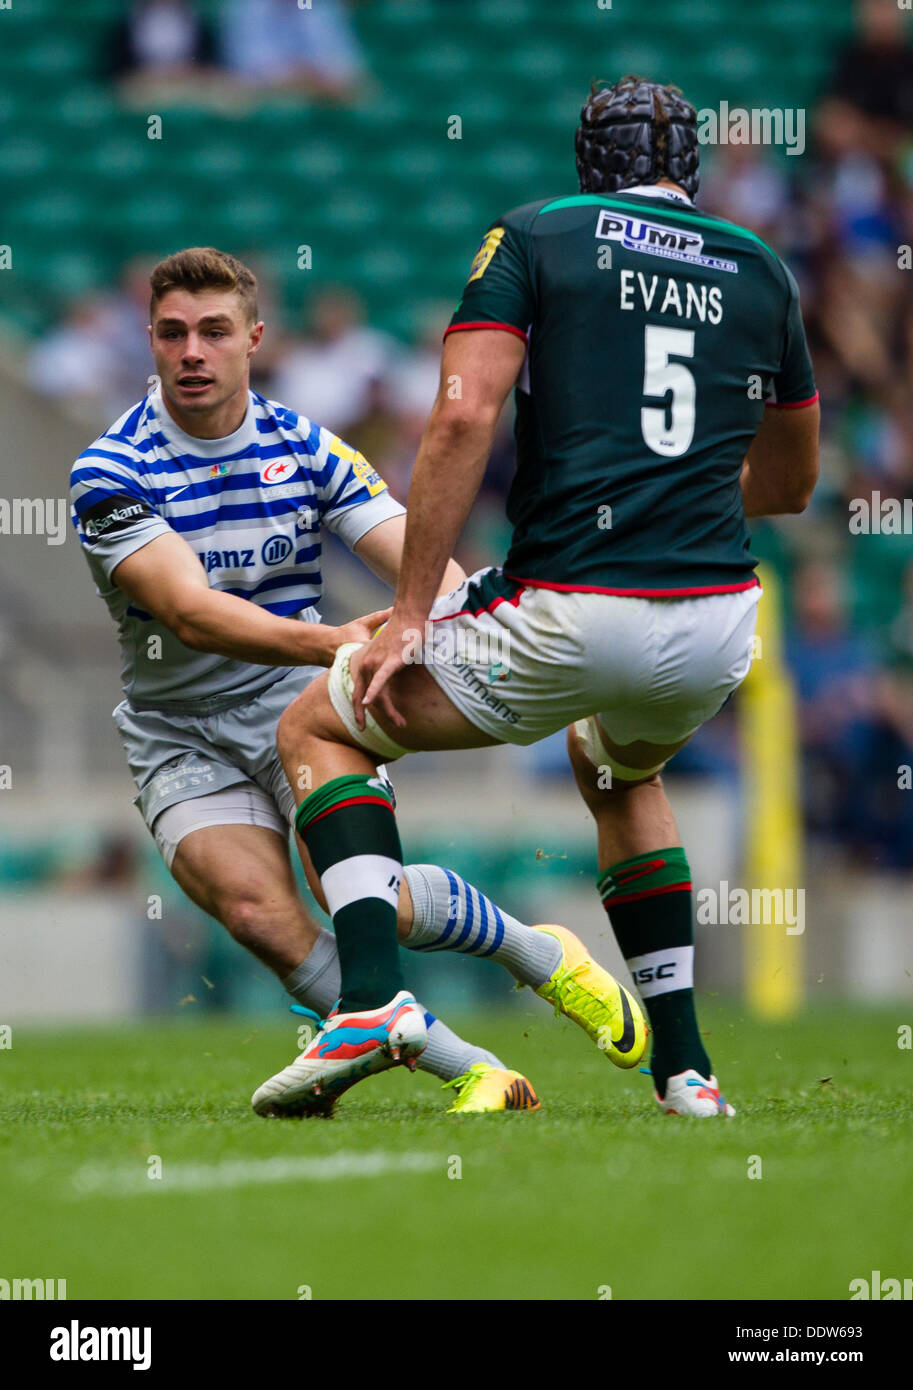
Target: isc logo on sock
{"x":654,"y":972}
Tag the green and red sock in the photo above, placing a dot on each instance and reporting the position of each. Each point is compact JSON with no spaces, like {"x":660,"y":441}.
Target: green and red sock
{"x":648,"y":899}
{"x":350,"y":831}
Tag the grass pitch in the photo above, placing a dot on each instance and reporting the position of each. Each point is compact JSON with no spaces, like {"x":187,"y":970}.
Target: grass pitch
{"x":595,"y":1190}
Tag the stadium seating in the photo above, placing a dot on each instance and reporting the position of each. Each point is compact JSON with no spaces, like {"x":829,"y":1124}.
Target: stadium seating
{"x":83,"y":188}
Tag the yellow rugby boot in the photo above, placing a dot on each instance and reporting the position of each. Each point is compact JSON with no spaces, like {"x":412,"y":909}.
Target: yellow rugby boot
{"x":485,"y":1088}
{"x":591,"y":997}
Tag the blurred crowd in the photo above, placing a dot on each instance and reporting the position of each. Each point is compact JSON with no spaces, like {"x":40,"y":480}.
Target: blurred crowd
{"x":162,"y":46}
{"x":844,"y":223}
{"x":843,"y":219}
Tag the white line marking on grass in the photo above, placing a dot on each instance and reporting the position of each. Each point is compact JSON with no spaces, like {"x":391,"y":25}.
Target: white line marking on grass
{"x":248,"y":1172}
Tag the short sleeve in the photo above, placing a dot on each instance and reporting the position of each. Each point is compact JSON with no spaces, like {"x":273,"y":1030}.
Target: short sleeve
{"x":110,"y":511}
{"x":353,"y":496}
{"x":499,"y":291}
{"x":794,"y":383}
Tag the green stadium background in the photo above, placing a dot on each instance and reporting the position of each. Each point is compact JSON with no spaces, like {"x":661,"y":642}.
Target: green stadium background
{"x":391,"y":207}
{"x":388,"y":204}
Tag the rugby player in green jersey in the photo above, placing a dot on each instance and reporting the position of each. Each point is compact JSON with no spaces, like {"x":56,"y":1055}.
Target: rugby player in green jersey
{"x":200,"y":513}
{"x":636,"y":331}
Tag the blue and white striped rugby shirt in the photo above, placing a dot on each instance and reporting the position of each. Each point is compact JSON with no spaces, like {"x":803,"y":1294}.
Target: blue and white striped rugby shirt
{"x":250,"y":505}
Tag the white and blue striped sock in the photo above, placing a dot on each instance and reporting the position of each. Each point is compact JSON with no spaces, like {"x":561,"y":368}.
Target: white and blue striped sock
{"x":450,"y":915}
{"x":448,"y":1056}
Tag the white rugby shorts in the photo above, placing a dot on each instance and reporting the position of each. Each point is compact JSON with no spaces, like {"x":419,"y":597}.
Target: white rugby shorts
{"x":520,"y":668}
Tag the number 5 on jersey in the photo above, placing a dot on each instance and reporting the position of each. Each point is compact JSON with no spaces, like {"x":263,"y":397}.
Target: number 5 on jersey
{"x":662,"y":376}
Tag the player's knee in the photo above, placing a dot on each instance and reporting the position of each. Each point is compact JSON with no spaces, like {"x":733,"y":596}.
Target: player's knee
{"x":293,"y":725}
{"x":589,"y":775}
{"x":581,"y":766}
{"x":248,"y":916}
{"x":625,"y":784}
{"x":285,"y":735}
{"x":601,"y":785}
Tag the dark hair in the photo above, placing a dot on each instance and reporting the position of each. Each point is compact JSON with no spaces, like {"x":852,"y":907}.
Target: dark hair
{"x":204,"y":268}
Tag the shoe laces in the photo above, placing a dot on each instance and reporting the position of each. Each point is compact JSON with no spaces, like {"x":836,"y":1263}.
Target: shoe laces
{"x":715,"y":1092}
{"x":310,"y":1013}
{"x":470,"y":1077}
{"x":307,"y":1013}
{"x":566,"y":975}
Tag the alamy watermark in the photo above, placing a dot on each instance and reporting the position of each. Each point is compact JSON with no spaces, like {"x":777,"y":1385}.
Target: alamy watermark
{"x":742,"y":907}
{"x":83,"y":1343}
{"x":879,"y":1288}
{"x":34,"y":516}
{"x":881,"y":516}
{"x":443,"y":645}
{"x":30,"y":1290}
{"x":761,"y":125}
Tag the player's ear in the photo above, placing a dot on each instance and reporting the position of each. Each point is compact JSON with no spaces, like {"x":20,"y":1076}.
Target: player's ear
{"x":256,"y":334}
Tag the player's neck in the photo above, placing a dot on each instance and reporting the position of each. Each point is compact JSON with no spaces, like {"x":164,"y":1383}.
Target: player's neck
{"x":218,"y":423}
{"x":673,"y":187}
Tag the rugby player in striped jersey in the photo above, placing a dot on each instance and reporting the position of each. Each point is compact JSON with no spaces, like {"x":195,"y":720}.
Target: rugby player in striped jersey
{"x":200,"y":514}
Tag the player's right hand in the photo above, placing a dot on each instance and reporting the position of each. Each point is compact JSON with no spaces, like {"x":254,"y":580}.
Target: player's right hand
{"x":358,"y":630}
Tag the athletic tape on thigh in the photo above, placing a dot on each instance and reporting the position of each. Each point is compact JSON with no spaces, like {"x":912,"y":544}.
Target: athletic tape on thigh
{"x":341,"y":684}
{"x":590,"y":736}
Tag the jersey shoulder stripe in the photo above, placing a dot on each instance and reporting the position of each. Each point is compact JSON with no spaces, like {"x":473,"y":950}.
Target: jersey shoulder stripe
{"x":524,"y":215}
{"x":113,"y":463}
{"x":105,"y":447}
{"x":128,"y":424}
{"x":280,"y":415}
{"x":486,"y":323}
{"x":130,"y":427}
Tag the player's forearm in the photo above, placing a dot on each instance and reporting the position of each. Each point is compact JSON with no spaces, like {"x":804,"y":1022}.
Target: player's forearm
{"x":762,"y":497}
{"x":754,"y":498}
{"x":447,"y":475}
{"x":235,"y":627}
{"x":781,"y":467}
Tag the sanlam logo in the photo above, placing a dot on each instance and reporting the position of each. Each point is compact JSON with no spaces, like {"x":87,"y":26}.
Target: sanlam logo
{"x":97,"y":526}
{"x":656,"y":239}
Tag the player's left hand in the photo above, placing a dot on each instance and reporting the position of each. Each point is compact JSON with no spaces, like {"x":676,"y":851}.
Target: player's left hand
{"x":374,"y":666}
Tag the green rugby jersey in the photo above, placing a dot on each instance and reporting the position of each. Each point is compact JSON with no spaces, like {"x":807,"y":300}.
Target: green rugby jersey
{"x":656,"y":337}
